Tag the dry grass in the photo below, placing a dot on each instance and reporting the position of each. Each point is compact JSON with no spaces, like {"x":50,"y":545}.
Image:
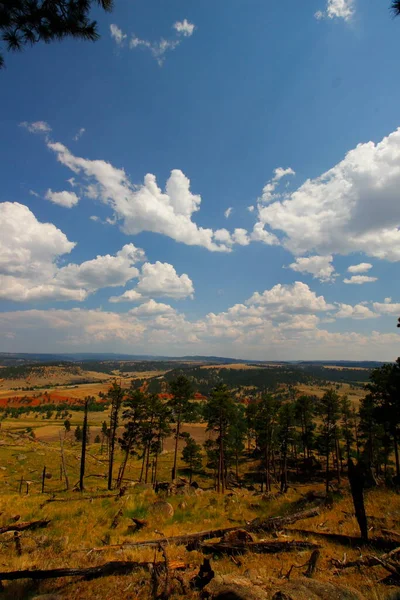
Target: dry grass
{"x":78,"y":526}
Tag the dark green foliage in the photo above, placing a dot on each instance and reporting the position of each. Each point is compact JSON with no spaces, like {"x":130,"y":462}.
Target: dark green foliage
{"x":192,"y":455}
{"x":182,"y":409}
{"x":221,"y":414}
{"x":67,"y":425}
{"x":304,"y":410}
{"x":395,"y":7}
{"x":328,"y":409}
{"x":78,"y":434}
{"x":27,"y":22}
{"x":116,"y":396}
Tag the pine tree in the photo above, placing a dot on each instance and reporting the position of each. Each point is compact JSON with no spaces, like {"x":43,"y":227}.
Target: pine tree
{"x":219,"y":413}
{"x":329,"y":411}
{"x":116,"y":396}
{"x":266,"y":424}
{"x":192,"y":455}
{"x":181,"y":409}
{"x":27,"y":22}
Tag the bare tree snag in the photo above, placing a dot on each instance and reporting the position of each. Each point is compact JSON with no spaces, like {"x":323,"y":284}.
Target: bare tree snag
{"x":356,"y":479}
{"x":84,"y":442}
{"x":17,"y":540}
{"x":116,"y":519}
{"x":43,"y":478}
{"x":63,"y":462}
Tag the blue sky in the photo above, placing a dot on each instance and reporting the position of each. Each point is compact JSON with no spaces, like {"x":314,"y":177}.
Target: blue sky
{"x":120,"y":160}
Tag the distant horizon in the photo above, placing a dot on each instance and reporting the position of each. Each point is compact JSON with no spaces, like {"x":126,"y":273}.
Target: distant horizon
{"x":184,"y":356}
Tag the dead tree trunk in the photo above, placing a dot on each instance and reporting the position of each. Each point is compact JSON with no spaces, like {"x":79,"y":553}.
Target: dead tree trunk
{"x":43,"y":478}
{"x":63,"y":463}
{"x":83,"y":452}
{"x":356,"y":478}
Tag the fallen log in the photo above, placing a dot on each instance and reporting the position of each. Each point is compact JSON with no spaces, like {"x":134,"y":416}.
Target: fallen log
{"x":391,"y":533}
{"x":111,"y":568}
{"x":23,"y":526}
{"x":346,"y":540}
{"x":78,"y":497}
{"x":274,"y":523}
{"x":389,"y":561}
{"x":256,"y":547}
{"x":191,"y":540}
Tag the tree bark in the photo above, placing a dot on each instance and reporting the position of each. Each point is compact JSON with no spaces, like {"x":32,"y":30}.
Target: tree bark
{"x":63,"y":462}
{"x":356,"y":479}
{"x":83,"y":452}
{"x":178,"y":431}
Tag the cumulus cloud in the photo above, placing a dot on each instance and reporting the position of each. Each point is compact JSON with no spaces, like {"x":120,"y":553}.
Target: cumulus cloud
{"x":359,"y":311}
{"x":360,"y":279}
{"x":228,"y":212}
{"x":161,"y":279}
{"x":66,"y":199}
{"x":151,"y":308}
{"x":240,"y":237}
{"x":387,"y":307}
{"x":298,"y":298}
{"x":128,"y":296}
{"x":320,"y":267}
{"x":269,"y":189}
{"x":337,"y":9}
{"x":158,"y":48}
{"x":361,"y":268}
{"x":36,"y":127}
{"x":29,"y":255}
{"x":29,"y":248}
{"x":353,"y":207}
{"x":283,"y":322}
{"x":145,"y":207}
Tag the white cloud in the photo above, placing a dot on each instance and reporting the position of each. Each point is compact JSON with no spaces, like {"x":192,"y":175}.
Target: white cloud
{"x":240,"y":237}
{"x":361,"y":268}
{"x":387,"y":307}
{"x":117,"y":34}
{"x":360,"y":279}
{"x":282,"y":323}
{"x":297,"y":298}
{"x":337,"y":9}
{"x":36,"y":127}
{"x":94,"y":218}
{"x":102,"y":271}
{"x":66,"y":199}
{"x":79,"y":134}
{"x":33,"y":193}
{"x":359,"y":311}
{"x":161,"y":279}
{"x":184,"y":27}
{"x":228,"y":212}
{"x":151,"y":308}
{"x":30,"y":250}
{"x":250,"y":209}
{"x":145,"y":207}
{"x":353,"y":207}
{"x":269,"y":189}
{"x":320,"y":267}
{"x":128,"y":296}
{"x":159,"y":48}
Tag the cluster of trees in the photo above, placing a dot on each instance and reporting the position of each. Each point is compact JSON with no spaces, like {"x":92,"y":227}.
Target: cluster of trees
{"x":275,"y":433}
